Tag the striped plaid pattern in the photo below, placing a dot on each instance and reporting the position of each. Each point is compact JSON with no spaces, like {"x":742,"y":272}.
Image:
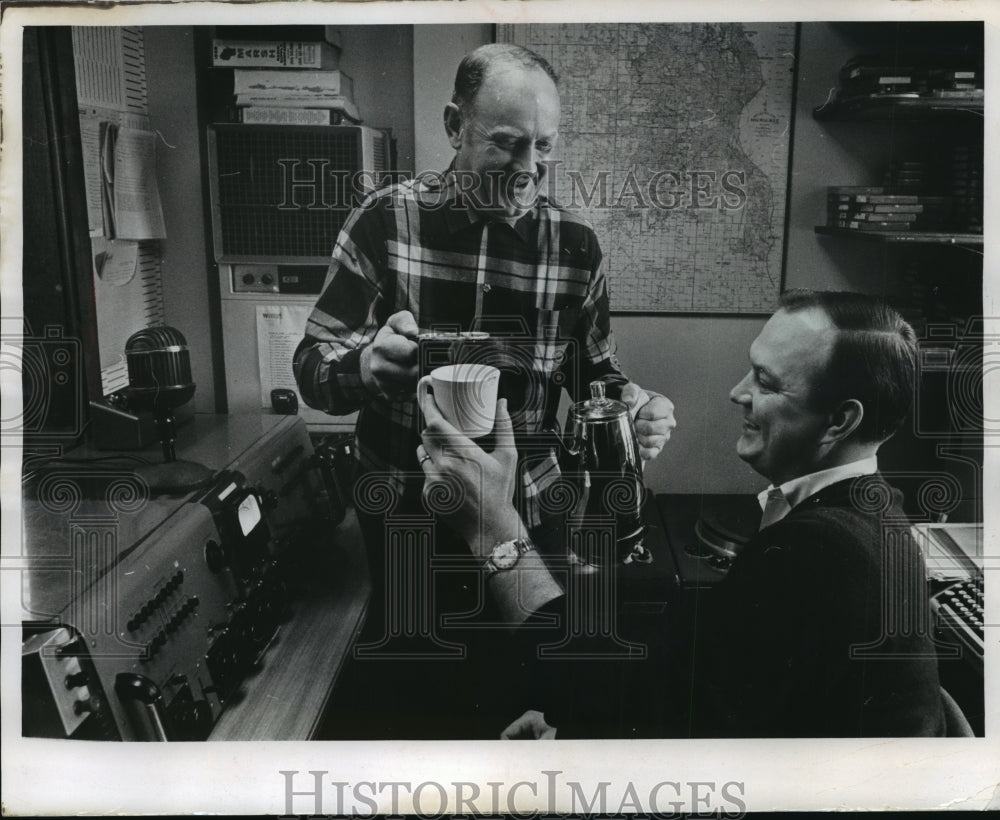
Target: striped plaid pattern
{"x":418,"y":246}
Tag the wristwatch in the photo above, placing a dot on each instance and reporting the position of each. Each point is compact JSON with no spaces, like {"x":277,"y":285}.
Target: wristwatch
{"x":506,"y":554}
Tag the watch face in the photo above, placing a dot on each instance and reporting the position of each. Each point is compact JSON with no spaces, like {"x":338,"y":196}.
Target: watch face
{"x":505,"y":555}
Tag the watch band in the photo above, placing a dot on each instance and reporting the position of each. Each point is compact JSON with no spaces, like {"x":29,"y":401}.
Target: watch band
{"x":505,"y":555}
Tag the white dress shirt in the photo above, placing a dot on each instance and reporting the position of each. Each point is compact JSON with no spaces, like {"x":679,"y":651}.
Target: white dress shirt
{"x":777,"y":502}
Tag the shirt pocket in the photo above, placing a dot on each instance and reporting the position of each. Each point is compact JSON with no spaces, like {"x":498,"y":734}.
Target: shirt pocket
{"x":564,"y":316}
{"x":558,"y":344}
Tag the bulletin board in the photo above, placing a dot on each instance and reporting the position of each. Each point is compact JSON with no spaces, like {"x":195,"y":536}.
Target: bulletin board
{"x":124,"y":216}
{"x":674,"y":143}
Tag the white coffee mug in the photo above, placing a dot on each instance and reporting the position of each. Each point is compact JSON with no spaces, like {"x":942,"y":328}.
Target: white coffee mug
{"x":466,"y":395}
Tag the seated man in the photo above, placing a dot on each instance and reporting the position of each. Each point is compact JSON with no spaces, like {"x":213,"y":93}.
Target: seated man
{"x":820,"y":627}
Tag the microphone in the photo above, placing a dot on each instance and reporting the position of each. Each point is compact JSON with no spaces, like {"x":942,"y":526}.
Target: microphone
{"x":159,"y":374}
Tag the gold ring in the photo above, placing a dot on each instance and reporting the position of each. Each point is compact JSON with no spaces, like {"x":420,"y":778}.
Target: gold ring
{"x":423,"y":458}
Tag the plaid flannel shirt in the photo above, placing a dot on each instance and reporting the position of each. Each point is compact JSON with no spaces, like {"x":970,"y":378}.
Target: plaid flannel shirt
{"x":418,"y":246}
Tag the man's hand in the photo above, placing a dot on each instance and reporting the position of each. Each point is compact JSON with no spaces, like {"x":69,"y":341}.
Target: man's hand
{"x":530,"y":726}
{"x":654,"y":418}
{"x":480,"y":508}
{"x":389,"y":363}
{"x":486,"y":514}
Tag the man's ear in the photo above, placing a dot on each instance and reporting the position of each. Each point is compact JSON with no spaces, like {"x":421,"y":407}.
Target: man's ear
{"x":844,"y":420}
{"x":453,"y":125}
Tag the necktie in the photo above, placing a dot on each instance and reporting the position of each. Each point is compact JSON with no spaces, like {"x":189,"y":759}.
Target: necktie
{"x":775,"y":508}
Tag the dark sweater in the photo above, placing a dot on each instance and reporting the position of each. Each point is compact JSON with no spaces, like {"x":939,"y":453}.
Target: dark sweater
{"x":813,"y":633}
{"x":822,"y":627}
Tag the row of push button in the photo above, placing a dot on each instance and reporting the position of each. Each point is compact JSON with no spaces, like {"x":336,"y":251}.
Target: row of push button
{"x":160,"y":638}
{"x":965,"y":600}
{"x":148,"y":608}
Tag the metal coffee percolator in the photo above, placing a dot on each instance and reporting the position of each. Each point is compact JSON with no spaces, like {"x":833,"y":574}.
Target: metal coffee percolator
{"x":602,"y":464}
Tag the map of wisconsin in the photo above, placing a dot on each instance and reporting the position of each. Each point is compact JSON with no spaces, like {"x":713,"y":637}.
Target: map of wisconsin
{"x":674,"y":143}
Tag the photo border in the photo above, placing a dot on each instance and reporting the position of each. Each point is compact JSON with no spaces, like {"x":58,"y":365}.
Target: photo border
{"x":58,"y":777}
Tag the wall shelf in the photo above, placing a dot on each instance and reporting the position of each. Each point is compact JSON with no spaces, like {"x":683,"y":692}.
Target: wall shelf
{"x":886,"y":107}
{"x":903,"y":237}
{"x":918,"y":158}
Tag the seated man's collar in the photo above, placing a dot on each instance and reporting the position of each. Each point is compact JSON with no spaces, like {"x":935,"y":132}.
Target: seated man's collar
{"x":799,"y":489}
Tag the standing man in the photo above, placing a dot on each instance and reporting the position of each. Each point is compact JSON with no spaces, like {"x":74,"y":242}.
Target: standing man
{"x":821,"y":627}
{"x":477,"y":248}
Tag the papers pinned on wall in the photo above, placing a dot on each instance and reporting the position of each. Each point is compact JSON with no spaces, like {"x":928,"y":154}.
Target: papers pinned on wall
{"x":279,"y":330}
{"x":130,"y":196}
{"x":116,"y":260}
{"x":90,"y":140}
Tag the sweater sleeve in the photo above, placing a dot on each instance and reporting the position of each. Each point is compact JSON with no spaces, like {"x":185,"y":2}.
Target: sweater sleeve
{"x":327,"y":362}
{"x":594,"y":341}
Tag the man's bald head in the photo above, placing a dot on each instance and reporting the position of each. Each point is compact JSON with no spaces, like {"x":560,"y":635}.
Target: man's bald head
{"x":478,"y":62}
